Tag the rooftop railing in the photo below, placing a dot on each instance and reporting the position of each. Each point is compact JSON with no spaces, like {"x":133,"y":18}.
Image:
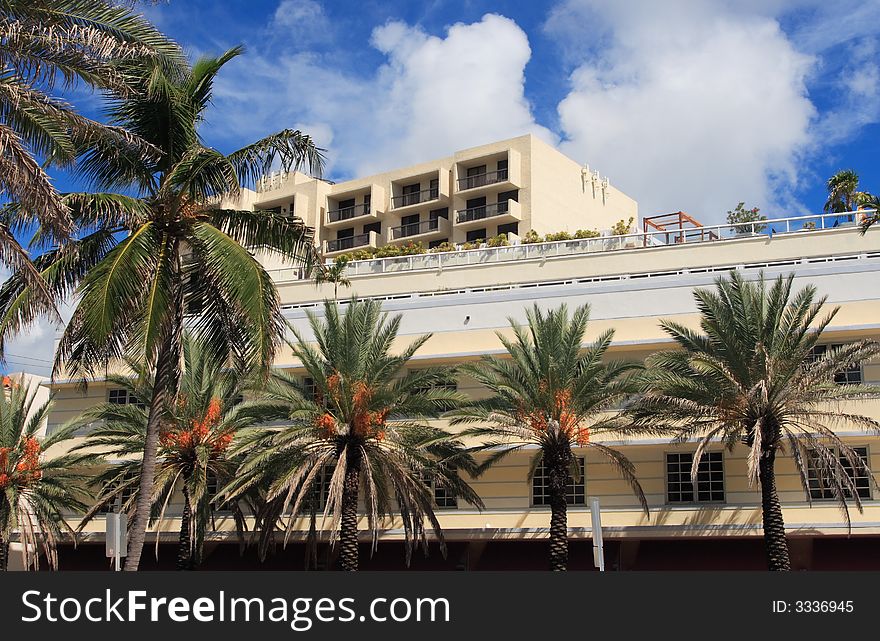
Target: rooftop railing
{"x":637,"y":241}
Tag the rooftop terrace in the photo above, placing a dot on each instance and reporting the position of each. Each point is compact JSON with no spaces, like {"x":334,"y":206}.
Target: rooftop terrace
{"x":646,"y":240}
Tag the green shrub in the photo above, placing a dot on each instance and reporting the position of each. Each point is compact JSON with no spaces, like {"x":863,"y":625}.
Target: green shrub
{"x":622,"y":228}
{"x":560,"y":235}
{"x":531,"y":237}
{"x":586,"y":233}
{"x":742,"y":215}
{"x":388,"y":251}
{"x":498,"y":241}
{"x":359,"y":254}
{"x":442,"y":247}
{"x":474,"y":244}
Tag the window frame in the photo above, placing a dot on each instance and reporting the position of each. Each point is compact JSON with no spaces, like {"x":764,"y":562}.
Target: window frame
{"x":582,"y":494}
{"x":695,"y":490}
{"x":823,"y":499}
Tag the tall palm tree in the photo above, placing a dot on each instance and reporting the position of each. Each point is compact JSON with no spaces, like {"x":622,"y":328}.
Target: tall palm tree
{"x":334,"y":273}
{"x":553,"y":394}
{"x":45,"y":44}
{"x":363,"y":428}
{"x":35,"y":490}
{"x":141,"y":260}
{"x":844,"y":194}
{"x":193,"y":459}
{"x":752,"y":376}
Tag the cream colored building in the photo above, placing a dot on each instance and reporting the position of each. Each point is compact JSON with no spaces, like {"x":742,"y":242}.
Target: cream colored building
{"x":631,"y":282}
{"x":507,"y":187}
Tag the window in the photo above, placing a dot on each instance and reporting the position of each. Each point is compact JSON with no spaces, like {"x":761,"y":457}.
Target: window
{"x":575,"y":493}
{"x":434,"y":217}
{"x":476,"y":234}
{"x":710,"y":478}
{"x":411,"y":194}
{"x":504,"y":196}
{"x":124,"y":397}
{"x":348,"y":232}
{"x":510,"y":228}
{"x":309,"y":387}
{"x":821,"y":488}
{"x":852,"y":375}
{"x":443,"y":497}
{"x":213,"y":489}
{"x":502,"y":170}
{"x":376,"y":227}
{"x":434,"y":188}
{"x":437,"y":243}
{"x":121,"y":498}
{"x":321,"y":487}
{"x":476,"y":171}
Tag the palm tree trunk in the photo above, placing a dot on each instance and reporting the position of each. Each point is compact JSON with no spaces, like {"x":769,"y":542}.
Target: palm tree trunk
{"x":774,"y":527}
{"x":165,"y":388}
{"x":348,"y":531}
{"x":185,"y":551}
{"x":558,"y":479}
{"x":4,"y":554}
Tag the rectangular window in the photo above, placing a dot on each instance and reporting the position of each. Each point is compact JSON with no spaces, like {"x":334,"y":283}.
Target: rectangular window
{"x":510,"y":228}
{"x":376,"y":227}
{"x":821,"y":488}
{"x":476,"y":171}
{"x":437,"y":243}
{"x":710,"y":478}
{"x":575,"y":493}
{"x":434,"y":188}
{"x":444,"y":499}
{"x":213,"y":489}
{"x":309,"y":388}
{"x":852,"y":375}
{"x":476,"y":234}
{"x":348,"y":232}
{"x":124,"y":397}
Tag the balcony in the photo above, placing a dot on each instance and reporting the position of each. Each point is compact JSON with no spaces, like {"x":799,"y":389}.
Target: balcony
{"x":350,"y":243}
{"x":508,"y":211}
{"x":415,"y":198}
{"x":438,"y":227}
{"x":362,"y":212}
{"x":482,"y":180}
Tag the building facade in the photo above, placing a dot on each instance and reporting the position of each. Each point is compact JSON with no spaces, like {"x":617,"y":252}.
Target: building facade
{"x":508,"y":187}
{"x":631,"y":282}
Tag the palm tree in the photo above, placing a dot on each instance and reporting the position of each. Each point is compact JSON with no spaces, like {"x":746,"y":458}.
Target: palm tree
{"x":35,"y":490}
{"x":43,"y":44}
{"x":552,"y":394}
{"x":142,"y":261}
{"x":193,"y":448}
{"x":363,"y":429}
{"x":752,"y":376}
{"x":844,"y":194}
{"x":334,"y":273}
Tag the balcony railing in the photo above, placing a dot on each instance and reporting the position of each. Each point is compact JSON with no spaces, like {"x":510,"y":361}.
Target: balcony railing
{"x":414,"y":229}
{"x":349,"y":242}
{"x":346,"y":213}
{"x":481,"y":212}
{"x":647,"y":241}
{"x":415,"y":197}
{"x":481,"y":180}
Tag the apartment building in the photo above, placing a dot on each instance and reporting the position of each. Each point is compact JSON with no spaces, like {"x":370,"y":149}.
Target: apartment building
{"x":631,"y":282}
{"x":507,"y":187}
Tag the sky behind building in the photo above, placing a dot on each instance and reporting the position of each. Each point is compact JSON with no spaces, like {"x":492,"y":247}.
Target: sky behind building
{"x":685,"y":104}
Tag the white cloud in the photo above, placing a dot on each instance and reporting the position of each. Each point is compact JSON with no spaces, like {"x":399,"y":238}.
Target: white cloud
{"x":301,"y":21}
{"x":686,"y":105}
{"x":431,"y":96}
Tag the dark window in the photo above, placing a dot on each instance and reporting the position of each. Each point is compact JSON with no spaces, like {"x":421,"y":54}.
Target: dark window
{"x":437,"y":243}
{"x":575,"y":493}
{"x":504,"y":196}
{"x":376,"y":227}
{"x":411,"y":194}
{"x":410,"y":220}
{"x":852,"y":375}
{"x":476,"y":171}
{"x":124,"y":397}
{"x":310,"y":390}
{"x":212,"y":486}
{"x":821,"y":488}
{"x":710,"y":478}
{"x":509,"y":228}
{"x":434,"y":214}
{"x":346,"y":204}
{"x":348,"y":232}
{"x":476,"y":202}
{"x":367,"y":200}
{"x":444,"y":498}
{"x":502,"y":165}
{"x":434,"y":189}
{"x":476,"y":234}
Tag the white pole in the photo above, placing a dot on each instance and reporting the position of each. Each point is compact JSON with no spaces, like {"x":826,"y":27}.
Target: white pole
{"x":116,"y":542}
{"x":598,"y":546}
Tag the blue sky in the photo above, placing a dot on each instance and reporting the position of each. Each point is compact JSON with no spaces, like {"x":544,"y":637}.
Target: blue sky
{"x":684,"y":104}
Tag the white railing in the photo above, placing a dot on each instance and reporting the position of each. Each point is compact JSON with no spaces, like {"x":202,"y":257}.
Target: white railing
{"x":641,"y":240}
{"x":271,"y":181}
